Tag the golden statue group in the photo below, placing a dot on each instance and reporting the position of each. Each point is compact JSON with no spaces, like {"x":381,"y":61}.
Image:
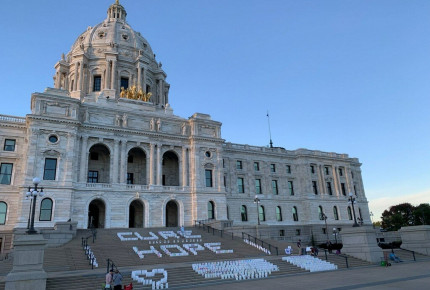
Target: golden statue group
{"x":135,"y":93}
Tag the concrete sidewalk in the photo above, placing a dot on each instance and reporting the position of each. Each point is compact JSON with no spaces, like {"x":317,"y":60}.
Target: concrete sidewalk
{"x":408,"y":275}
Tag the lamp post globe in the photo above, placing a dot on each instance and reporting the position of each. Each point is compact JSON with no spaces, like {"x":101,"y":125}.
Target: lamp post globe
{"x":32,"y":193}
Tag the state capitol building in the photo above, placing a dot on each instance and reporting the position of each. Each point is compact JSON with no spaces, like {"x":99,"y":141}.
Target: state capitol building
{"x":110,"y":153}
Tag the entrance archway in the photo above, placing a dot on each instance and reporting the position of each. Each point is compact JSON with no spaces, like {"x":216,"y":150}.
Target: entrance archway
{"x":171,"y":214}
{"x":135,"y":217}
{"x":96,"y":214}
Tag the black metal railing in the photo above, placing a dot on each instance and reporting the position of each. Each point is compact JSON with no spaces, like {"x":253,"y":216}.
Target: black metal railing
{"x":110,"y":266}
{"x":86,"y":247}
{"x":214,"y":231}
{"x":339,"y":255}
{"x":257,"y":241}
{"x":412,"y":252}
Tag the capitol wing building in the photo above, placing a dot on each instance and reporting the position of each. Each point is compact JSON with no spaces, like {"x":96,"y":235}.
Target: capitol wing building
{"x":110,"y":153}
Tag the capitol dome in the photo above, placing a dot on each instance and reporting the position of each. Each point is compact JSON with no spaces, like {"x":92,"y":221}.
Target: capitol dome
{"x":110,"y":56}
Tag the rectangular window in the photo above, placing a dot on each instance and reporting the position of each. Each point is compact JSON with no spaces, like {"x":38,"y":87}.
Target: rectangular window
{"x":208,"y":176}
{"x":323,"y":230}
{"x":282,"y":233}
{"x":9,"y":145}
{"x":315,"y":187}
{"x":291,"y":187}
{"x":256,"y":166}
{"x":223,"y":163}
{"x":258,"y":186}
{"x":340,"y":171}
{"x":297,"y":232}
{"x":288,"y":169}
{"x":352,"y":175}
{"x":272,"y":168}
{"x":239,"y":164}
{"x":97,"y":84}
{"x":6,"y":173}
{"x":225,"y":183}
{"x":124,"y":83}
{"x":50,"y":169}
{"x":329,"y":190}
{"x":240,"y":187}
{"x":342,"y":186}
{"x":355,"y":190}
{"x":327,"y":170}
{"x":312,"y":169}
{"x":130,"y":178}
{"x":93,"y":176}
{"x":275,"y":187}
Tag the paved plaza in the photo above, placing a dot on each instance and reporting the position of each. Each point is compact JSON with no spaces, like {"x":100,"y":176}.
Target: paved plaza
{"x":411,"y":275}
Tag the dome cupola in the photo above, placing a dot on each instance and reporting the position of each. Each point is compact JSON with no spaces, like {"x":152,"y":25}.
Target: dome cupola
{"x":116,"y":11}
{"x":109,"y":58}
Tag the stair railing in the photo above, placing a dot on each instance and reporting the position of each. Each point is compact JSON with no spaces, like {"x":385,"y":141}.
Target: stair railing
{"x":258,"y":241}
{"x":86,"y":247}
{"x":340,"y":255}
{"x":110,"y":266}
{"x":201,"y":223}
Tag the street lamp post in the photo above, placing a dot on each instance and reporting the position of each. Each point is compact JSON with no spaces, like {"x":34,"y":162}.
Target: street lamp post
{"x":257,"y":201}
{"x":335,"y":232}
{"x":32,"y":193}
{"x":351,"y":201}
{"x":324,"y":217}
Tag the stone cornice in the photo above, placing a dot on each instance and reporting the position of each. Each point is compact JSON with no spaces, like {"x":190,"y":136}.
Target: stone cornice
{"x":54,"y":119}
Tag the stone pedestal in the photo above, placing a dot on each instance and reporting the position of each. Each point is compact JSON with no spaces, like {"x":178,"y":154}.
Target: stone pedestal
{"x":360,"y":242}
{"x":27,"y":272}
{"x":416,"y":238}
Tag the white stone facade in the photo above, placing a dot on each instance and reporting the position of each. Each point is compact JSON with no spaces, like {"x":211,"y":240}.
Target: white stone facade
{"x":86,"y":127}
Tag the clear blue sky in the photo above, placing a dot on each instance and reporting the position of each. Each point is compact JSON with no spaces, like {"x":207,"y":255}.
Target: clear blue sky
{"x":339,"y":76}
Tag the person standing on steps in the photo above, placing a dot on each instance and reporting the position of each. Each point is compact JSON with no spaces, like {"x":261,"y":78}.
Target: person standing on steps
{"x":299,"y":245}
{"x":117,"y":280}
{"x":109,"y":279}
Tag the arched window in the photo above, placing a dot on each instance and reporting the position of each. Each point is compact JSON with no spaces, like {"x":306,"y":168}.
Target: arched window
{"x":278,"y":214}
{"x":349,"y":213}
{"x":335,"y":213}
{"x":45,"y":210}
{"x":3,"y":212}
{"x":244,"y":213}
{"x":295,"y":214}
{"x":261,"y":213}
{"x":211,"y":210}
{"x":320,"y":213}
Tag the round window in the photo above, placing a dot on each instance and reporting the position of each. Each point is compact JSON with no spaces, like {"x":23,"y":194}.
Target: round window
{"x":53,"y":139}
{"x":208,"y":154}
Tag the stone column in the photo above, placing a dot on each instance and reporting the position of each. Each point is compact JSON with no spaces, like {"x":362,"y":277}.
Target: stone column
{"x":349,"y":183}
{"x":336,"y":181}
{"x":123,"y":162}
{"x":108,"y":74}
{"x":160,"y":91}
{"x":81,"y":75}
{"x":84,"y":159}
{"x":139,"y":76}
{"x":151,"y":163}
{"x":360,"y":242}
{"x":320,"y":179}
{"x":113,"y":78}
{"x":75,"y":84}
{"x":158,"y":164}
{"x":116,"y":163}
{"x":27,"y":271}
{"x":184,"y":166}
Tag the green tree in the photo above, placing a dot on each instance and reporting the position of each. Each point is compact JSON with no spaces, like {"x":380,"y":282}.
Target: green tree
{"x":398,"y":216}
{"x":422,"y":214}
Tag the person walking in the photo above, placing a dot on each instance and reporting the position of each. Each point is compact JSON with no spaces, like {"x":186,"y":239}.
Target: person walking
{"x":299,"y":245}
{"x":117,"y":280}
{"x":109,"y":279}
